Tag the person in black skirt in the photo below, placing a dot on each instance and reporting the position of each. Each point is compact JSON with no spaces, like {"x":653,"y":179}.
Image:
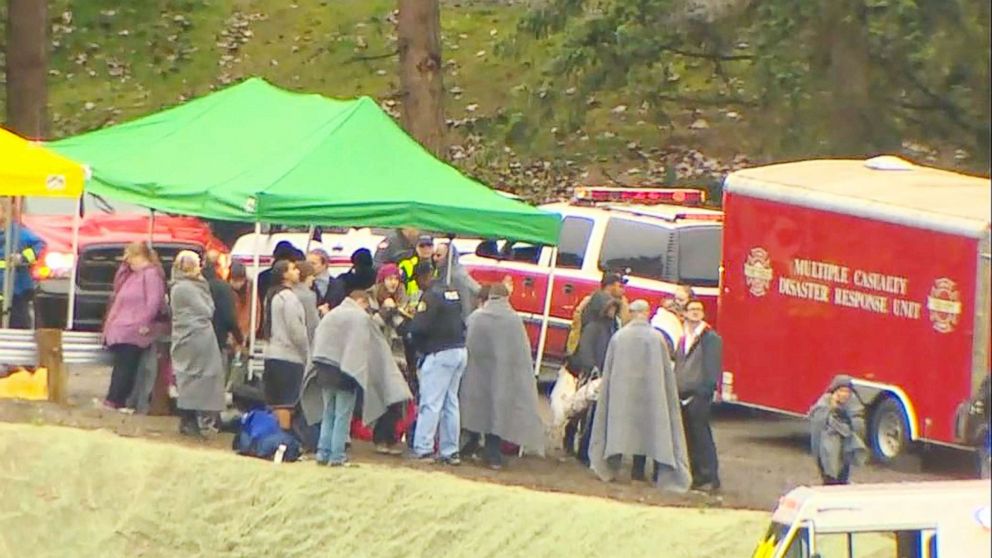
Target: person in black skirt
{"x":288,"y":345}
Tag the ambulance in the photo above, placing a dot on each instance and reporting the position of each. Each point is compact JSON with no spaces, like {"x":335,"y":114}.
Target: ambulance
{"x":900,"y":520}
{"x":878,"y":269}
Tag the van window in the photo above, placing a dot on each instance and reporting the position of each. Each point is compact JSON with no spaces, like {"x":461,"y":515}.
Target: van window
{"x":699,"y":256}
{"x":41,"y":205}
{"x":640,"y":247}
{"x":572,"y":242}
{"x":873,"y":544}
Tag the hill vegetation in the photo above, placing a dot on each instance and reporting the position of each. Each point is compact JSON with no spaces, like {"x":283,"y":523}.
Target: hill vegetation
{"x":541,"y":95}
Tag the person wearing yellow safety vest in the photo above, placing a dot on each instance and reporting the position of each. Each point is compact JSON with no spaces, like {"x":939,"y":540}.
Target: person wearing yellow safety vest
{"x":423,"y":253}
{"x":29,"y":247}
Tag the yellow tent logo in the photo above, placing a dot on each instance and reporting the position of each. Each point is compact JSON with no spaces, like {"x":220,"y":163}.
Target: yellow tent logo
{"x":55,"y":183}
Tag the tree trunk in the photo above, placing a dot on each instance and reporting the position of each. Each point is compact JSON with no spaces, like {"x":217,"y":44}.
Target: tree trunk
{"x":27,"y":67}
{"x":852,"y":128}
{"x":419,"y":35}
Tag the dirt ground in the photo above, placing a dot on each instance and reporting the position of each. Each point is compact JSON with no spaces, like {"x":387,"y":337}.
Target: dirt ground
{"x":762,"y":456}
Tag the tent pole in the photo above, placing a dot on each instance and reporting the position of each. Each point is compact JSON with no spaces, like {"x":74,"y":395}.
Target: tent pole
{"x":70,"y":316}
{"x":151,"y":227}
{"x":545,"y":317}
{"x":451,"y":259}
{"x":254,"y":292}
{"x":309,"y":241}
{"x":8,"y":248}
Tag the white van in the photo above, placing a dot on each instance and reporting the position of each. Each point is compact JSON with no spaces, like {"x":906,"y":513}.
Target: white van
{"x":900,"y":520}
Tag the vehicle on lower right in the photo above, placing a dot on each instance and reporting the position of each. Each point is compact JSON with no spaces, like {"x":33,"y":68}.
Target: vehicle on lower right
{"x":944,"y":519}
{"x":877,"y":269}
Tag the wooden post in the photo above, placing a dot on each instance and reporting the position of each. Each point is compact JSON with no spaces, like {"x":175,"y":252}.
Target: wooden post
{"x":50,"y":357}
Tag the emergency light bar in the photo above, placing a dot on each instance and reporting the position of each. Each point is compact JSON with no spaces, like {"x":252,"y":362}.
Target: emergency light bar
{"x":646,"y":196}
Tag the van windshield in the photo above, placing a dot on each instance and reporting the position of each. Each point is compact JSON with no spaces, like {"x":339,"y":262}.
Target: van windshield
{"x":775,"y":539}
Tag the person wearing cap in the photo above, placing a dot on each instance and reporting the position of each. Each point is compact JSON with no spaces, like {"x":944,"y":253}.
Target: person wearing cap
{"x":637,"y":415}
{"x":698,"y":366}
{"x":423,"y":252}
{"x":438,"y":334}
{"x":499,"y":393}
{"x":611,"y":287}
{"x":837,"y":426}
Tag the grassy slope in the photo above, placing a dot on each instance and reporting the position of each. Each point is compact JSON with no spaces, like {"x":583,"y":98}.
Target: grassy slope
{"x":79,"y":493}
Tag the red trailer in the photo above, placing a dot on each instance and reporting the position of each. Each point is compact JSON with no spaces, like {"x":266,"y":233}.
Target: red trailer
{"x":878,"y":269}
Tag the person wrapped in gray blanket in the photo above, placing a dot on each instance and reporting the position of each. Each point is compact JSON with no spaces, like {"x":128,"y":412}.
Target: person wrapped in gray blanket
{"x":638,"y":413}
{"x":498,"y":394}
{"x":350,"y":355}
{"x":836,"y":428}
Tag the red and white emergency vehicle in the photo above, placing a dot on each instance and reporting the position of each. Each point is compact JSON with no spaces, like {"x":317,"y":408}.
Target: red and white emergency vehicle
{"x":658,"y":238}
{"x":878,"y":269}
{"x":948,"y":519}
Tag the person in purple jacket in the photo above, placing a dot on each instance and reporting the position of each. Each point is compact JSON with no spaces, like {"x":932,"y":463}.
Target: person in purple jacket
{"x":129,"y":329}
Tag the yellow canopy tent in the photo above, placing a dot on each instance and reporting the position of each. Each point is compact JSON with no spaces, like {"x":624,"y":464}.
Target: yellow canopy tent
{"x":29,"y":169}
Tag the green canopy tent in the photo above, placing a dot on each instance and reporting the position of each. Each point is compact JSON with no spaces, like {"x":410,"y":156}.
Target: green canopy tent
{"x":256,"y":153}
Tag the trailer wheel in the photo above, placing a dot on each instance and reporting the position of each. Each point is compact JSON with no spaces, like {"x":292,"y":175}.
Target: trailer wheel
{"x":888,"y":431}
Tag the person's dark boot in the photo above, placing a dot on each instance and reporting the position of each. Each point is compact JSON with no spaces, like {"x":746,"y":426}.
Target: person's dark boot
{"x":188,"y":425}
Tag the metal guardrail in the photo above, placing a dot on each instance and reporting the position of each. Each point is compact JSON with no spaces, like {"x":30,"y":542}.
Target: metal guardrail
{"x":18,"y":346}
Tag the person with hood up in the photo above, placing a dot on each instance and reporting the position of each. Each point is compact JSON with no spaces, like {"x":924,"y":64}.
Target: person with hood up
{"x":288,"y":344}
{"x":461,"y":280}
{"x":499,"y":391}
{"x":130,"y":328}
{"x":638,"y":411}
{"x":360,"y":277}
{"x":837,"y":425}
{"x":196,"y":359}
{"x":350,"y":356}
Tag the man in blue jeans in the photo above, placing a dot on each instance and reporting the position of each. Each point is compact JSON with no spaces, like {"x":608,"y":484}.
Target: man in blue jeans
{"x":438,"y":332}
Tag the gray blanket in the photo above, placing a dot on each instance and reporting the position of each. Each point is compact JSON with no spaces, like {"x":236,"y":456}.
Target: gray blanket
{"x":349,"y":339}
{"x":638,"y":409}
{"x":196,"y":359}
{"x":835,"y":435}
{"x":499,"y":392}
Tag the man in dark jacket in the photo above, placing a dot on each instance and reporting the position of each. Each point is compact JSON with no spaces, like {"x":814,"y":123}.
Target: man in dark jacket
{"x":698,"y":365}
{"x":225,"y":310}
{"x":438,"y":332}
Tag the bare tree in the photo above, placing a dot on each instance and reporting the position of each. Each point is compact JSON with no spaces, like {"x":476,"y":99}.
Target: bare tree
{"x":27,"y":67}
{"x":419,"y":34}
